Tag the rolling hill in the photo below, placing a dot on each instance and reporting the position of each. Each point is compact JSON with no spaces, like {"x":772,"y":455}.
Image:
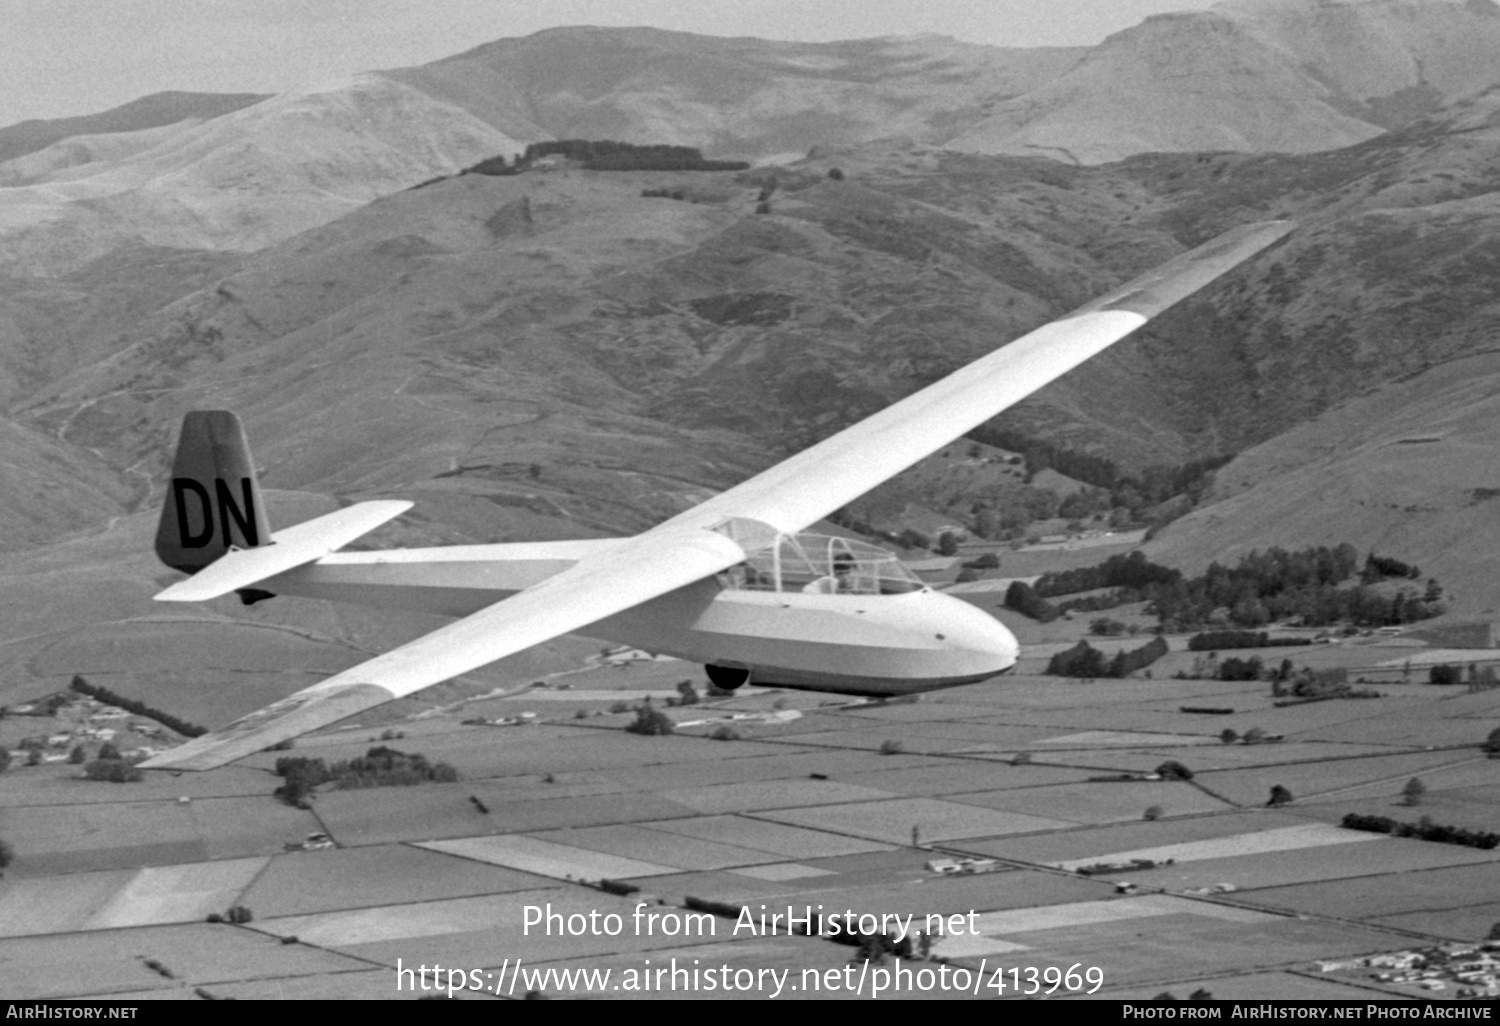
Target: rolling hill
{"x":230,"y":173}
{"x":553,"y":354}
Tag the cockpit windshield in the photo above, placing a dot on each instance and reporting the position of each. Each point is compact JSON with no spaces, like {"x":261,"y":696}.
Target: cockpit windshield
{"x":820,"y":563}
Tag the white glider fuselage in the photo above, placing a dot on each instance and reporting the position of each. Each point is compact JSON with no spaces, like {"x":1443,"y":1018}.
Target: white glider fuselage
{"x":874,"y":644}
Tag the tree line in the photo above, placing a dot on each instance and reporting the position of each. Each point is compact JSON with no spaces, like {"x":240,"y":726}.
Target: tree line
{"x":139,"y":708}
{"x":378,"y":767}
{"x":1152,"y":486}
{"x":1084,"y":660}
{"x":1426,"y":830}
{"x":608,"y":155}
{"x":1213,"y":641}
{"x":1278,"y":584}
{"x":1132,"y":571}
{"x":1264,"y":586}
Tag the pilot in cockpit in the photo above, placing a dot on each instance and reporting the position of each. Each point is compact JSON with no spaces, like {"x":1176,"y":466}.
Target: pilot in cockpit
{"x":838,"y":581}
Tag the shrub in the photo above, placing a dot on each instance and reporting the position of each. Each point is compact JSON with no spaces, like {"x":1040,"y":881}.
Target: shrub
{"x":1083,"y":660}
{"x":1425,"y":830}
{"x":1173,"y":770}
{"x":1412,"y":793}
{"x":651,"y":721}
{"x":1211,"y":641}
{"x":1234,"y":668}
{"x":1228,"y":736}
{"x":890,"y":747}
{"x":835,"y":174}
{"x":689,"y":694}
{"x":7,"y":854}
{"x":1153,"y":813}
{"x":1443,"y":674}
{"x":1021,"y":598}
{"x":1279,"y":796}
{"x":78,"y":756}
{"x":379,"y":767}
{"x":725,"y":733}
{"x":620,"y":707}
{"x":1491,"y":744}
{"x":116,"y":771}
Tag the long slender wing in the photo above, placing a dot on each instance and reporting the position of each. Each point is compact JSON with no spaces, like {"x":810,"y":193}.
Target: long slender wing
{"x":787,"y":497}
{"x":839,"y":469}
{"x":641,"y":568}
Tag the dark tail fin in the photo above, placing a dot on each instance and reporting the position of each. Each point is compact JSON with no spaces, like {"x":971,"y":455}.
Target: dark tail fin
{"x":213,"y":501}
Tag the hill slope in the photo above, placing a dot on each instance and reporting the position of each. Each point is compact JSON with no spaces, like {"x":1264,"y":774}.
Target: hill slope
{"x":1254,"y":76}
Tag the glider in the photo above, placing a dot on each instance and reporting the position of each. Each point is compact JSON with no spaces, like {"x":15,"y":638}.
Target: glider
{"x":730,"y":583}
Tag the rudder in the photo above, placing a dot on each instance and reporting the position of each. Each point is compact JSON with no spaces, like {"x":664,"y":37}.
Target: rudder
{"x":213,"y":500}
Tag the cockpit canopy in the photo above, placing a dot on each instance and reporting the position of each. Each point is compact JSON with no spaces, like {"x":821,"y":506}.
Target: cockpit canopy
{"x":821,"y":563}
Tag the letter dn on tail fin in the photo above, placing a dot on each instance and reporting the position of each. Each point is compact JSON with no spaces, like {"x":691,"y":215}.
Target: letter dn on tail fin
{"x":213,"y":500}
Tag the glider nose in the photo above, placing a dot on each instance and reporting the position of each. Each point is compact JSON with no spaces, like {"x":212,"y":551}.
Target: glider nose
{"x":987,"y":641}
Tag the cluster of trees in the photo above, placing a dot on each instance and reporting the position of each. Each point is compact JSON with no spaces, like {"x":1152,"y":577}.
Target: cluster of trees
{"x":130,"y":705}
{"x":686,"y":694}
{"x":1084,"y":660}
{"x":1277,"y":584}
{"x":1262,"y":587}
{"x":1020,"y":597}
{"x":1133,"y":571}
{"x":1212,"y":641}
{"x":111,"y":766}
{"x":650,"y":721}
{"x":1379,"y":567}
{"x":1008,"y":511}
{"x":1151,"y":487}
{"x":1425,"y":830}
{"x":609,"y":155}
{"x":1235,"y":668}
{"x":843,"y":518}
{"x":1315,"y":684}
{"x":387,"y":767}
{"x":378,"y":767}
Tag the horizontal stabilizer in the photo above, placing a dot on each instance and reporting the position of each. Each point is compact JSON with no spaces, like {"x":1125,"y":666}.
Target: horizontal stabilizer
{"x":289,"y":548}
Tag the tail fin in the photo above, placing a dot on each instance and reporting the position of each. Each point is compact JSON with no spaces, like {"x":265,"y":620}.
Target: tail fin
{"x":214,"y":501}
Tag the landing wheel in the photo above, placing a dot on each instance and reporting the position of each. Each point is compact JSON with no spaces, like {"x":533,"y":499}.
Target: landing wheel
{"x":726,"y":678}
